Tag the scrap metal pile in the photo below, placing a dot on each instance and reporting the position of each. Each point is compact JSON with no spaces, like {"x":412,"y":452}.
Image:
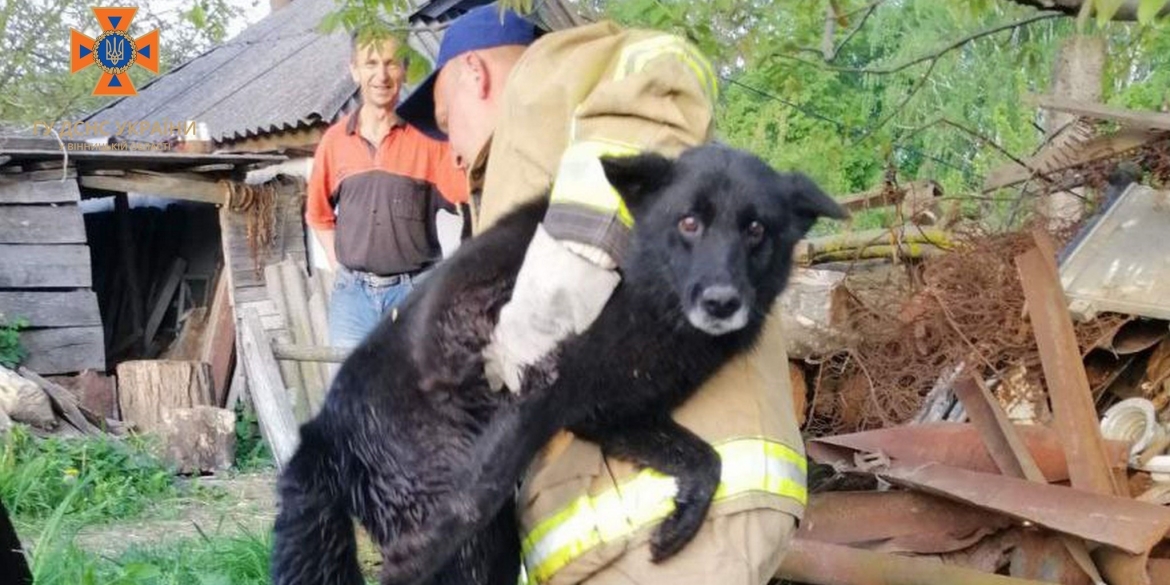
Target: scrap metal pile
{"x":996,"y":411}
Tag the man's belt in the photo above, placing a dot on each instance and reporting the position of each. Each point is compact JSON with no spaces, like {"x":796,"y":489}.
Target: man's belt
{"x":384,"y":280}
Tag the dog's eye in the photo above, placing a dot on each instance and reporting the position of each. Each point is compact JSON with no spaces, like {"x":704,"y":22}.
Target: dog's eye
{"x":689,"y":225}
{"x":755,"y":233}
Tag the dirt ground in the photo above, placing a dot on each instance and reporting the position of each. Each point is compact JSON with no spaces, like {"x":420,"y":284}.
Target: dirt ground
{"x":244,"y":503}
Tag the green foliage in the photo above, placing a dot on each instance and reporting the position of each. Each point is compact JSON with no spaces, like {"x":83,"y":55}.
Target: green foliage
{"x":86,"y":479}
{"x":252,"y":453}
{"x":35,"y":79}
{"x":895,"y":92}
{"x":11,"y":350}
{"x":372,"y":21}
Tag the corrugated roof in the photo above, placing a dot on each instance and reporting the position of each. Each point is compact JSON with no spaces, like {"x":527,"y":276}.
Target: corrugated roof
{"x":280,"y":73}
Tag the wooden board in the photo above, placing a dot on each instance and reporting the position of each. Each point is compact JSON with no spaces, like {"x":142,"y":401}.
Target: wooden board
{"x":19,"y":189}
{"x":171,"y":186}
{"x":41,"y":224}
{"x":45,"y":267}
{"x":267,"y":389}
{"x":1141,"y":120}
{"x":51,"y":308}
{"x":64,"y":349}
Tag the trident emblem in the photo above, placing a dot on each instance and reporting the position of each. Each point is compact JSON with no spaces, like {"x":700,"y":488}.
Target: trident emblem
{"x":114,"y":51}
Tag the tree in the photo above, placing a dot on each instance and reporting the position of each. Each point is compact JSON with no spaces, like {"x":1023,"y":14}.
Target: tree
{"x":35,"y":82}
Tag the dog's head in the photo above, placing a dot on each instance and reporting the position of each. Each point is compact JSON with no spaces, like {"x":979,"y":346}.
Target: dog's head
{"x":715,"y":230}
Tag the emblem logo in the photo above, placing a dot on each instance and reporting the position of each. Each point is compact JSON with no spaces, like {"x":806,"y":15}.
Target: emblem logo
{"x":114,"y":51}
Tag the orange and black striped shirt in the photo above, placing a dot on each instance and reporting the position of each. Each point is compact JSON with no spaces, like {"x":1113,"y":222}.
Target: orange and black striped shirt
{"x":382,"y":199}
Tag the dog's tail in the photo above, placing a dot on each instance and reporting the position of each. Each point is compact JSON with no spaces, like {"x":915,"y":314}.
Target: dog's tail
{"x":314,"y":541}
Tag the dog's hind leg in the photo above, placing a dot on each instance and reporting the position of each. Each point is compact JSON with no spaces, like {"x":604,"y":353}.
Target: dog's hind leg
{"x":663,"y":444}
{"x":314,"y":541}
{"x":490,"y":557}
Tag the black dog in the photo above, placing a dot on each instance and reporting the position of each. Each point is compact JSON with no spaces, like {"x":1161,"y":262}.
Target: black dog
{"x":413,"y":443}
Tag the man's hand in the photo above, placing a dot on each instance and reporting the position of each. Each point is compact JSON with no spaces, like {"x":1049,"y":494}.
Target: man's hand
{"x":558,"y":293}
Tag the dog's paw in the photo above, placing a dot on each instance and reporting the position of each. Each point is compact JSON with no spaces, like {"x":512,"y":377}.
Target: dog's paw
{"x":676,"y":531}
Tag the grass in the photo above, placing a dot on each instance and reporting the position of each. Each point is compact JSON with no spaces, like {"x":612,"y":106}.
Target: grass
{"x":236,"y":560}
{"x":55,"y":487}
{"x":94,"y":479}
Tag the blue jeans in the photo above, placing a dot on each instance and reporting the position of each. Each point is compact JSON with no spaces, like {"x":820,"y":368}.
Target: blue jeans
{"x":358,"y":304}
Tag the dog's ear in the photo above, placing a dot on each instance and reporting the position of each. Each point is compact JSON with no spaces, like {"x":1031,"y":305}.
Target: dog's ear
{"x":636,"y":176}
{"x":808,"y":202}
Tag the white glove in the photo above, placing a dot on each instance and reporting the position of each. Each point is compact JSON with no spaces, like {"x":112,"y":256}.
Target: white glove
{"x":558,"y":293}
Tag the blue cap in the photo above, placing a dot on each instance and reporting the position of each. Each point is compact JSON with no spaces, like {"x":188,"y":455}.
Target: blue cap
{"x":480,"y":28}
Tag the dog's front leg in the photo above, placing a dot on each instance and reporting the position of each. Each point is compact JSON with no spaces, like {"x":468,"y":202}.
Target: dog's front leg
{"x":664,"y":445}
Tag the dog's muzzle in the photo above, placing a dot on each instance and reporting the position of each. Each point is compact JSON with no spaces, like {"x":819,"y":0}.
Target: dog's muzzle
{"x":719,"y":309}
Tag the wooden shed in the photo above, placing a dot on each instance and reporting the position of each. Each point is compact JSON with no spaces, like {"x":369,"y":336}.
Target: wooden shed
{"x":52,"y":272}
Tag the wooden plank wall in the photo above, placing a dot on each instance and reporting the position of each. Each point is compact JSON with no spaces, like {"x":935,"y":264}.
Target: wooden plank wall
{"x":45,"y":272}
{"x":247,"y":282}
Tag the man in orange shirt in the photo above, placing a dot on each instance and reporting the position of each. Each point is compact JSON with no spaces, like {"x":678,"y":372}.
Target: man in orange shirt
{"x":376,"y":186}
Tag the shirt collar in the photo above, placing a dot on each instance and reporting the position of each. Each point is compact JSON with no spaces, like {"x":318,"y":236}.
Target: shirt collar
{"x":354,"y":119}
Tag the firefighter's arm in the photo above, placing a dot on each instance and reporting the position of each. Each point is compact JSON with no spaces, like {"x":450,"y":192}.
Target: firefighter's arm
{"x":657,"y":95}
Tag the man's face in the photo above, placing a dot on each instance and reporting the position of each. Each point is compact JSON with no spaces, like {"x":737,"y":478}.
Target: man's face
{"x":378,"y":73}
{"x":461,"y":111}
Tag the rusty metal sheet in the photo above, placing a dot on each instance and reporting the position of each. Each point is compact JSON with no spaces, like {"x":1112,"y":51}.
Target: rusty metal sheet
{"x":957,"y":445}
{"x":1003,"y":444}
{"x":1137,"y":335}
{"x":1159,"y":571}
{"x":896,"y":521}
{"x":1120,"y":568}
{"x":1074,"y":414}
{"x":1042,"y":556}
{"x":1126,"y":524}
{"x":1007,"y":449}
{"x":821,"y":563}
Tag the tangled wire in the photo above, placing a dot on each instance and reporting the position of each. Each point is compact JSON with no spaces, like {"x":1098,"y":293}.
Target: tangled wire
{"x":965,"y":307}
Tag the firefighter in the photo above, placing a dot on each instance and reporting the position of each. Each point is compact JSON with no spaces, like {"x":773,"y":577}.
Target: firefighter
{"x":524,"y":115}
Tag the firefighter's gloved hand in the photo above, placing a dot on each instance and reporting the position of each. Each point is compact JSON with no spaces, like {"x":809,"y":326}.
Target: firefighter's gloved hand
{"x":558,"y":293}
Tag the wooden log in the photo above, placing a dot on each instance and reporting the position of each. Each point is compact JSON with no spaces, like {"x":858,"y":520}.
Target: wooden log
{"x":913,"y":240}
{"x":266,"y":388}
{"x":44,"y":266}
{"x":41,"y":224}
{"x":171,"y":186}
{"x":147,"y":387}
{"x":62,"y":350}
{"x":23,"y":401}
{"x":19,"y":189}
{"x":64,"y":402}
{"x":301,"y":329}
{"x":51,"y":308}
{"x":199,"y":439}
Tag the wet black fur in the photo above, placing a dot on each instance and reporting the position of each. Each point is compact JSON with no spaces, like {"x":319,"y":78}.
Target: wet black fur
{"x":413,"y":443}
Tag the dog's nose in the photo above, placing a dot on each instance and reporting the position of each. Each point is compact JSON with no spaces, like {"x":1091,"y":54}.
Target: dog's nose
{"x":720,"y":302}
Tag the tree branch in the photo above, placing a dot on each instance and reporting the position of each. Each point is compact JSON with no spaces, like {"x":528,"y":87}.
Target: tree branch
{"x":934,"y":56}
{"x":873,"y":6}
{"x":902,"y":104}
{"x":1126,"y":12}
